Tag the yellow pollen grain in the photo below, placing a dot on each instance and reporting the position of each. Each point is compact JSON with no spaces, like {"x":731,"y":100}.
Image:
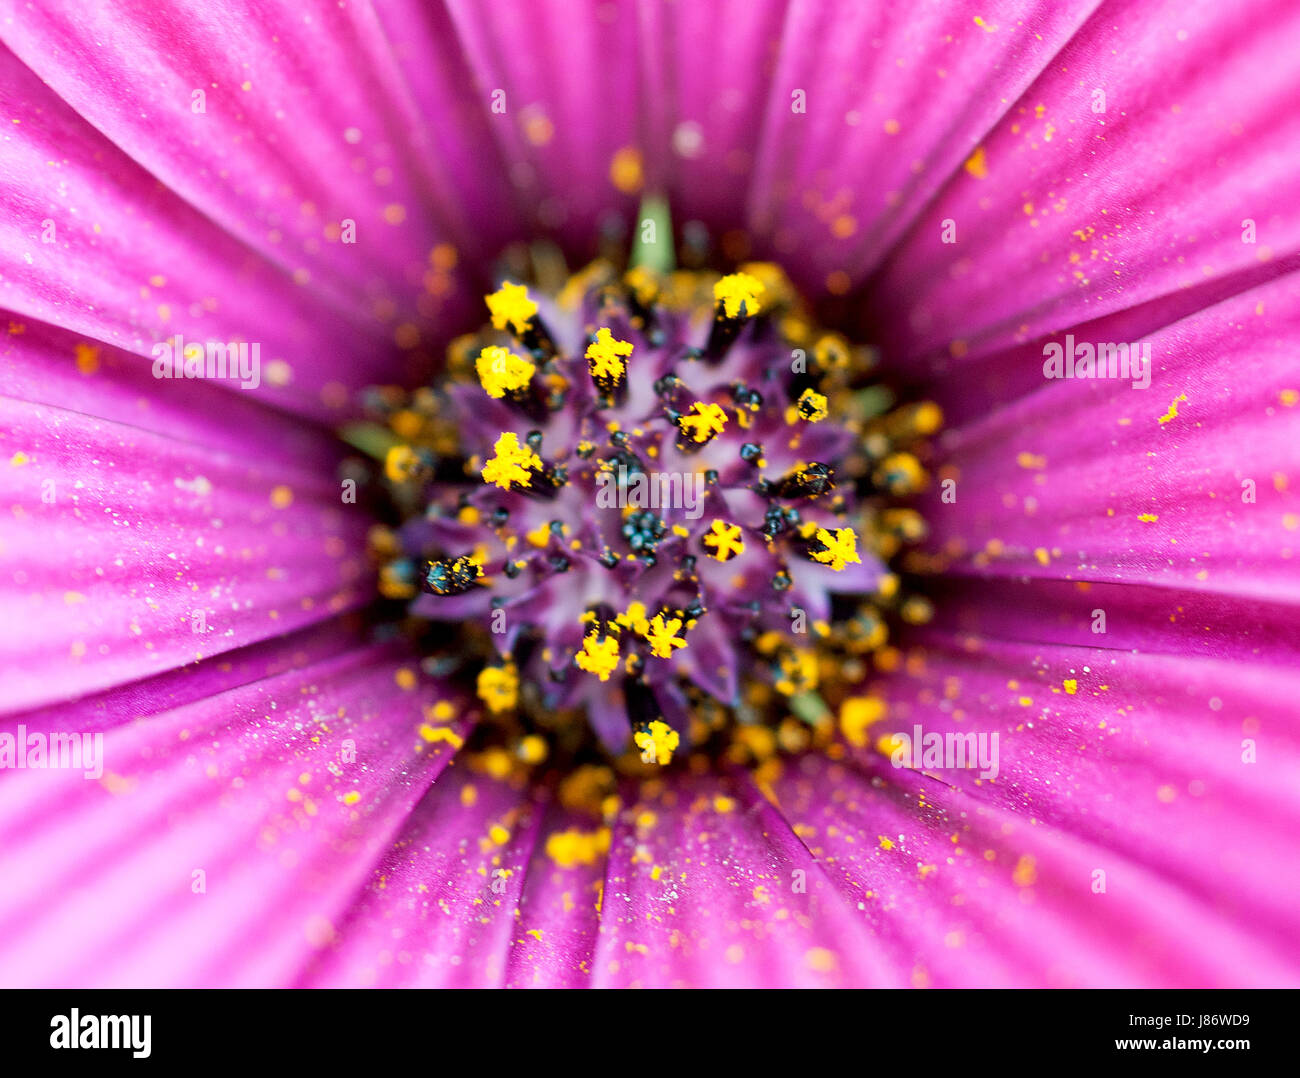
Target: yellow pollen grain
{"x":282,"y":497}
{"x":1172,"y":414}
{"x":857,"y":715}
{"x":405,"y":678}
{"x":1070,"y":685}
{"x":657,"y":742}
{"x":838,"y":547}
{"x":511,"y":306}
{"x":976,"y":164}
{"x":606,"y":355}
{"x":501,"y":371}
{"x":512,"y":464}
{"x":625,"y":170}
{"x":598,"y":656}
{"x":737,"y":290}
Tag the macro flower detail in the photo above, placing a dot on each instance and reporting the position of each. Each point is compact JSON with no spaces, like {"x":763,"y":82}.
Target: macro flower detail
{"x":538,"y":493}
{"x":643,"y":410}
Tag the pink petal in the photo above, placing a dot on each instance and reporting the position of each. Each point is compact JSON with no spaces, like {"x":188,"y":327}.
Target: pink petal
{"x":255,"y":786}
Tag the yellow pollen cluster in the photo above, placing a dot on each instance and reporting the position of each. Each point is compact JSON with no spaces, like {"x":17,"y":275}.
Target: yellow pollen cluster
{"x":812,"y":406}
{"x":857,"y":715}
{"x":661,"y":635}
{"x":512,"y":464}
{"x":498,"y":687}
{"x":798,"y":672}
{"x":737,"y":290}
{"x":657,"y":743}
{"x":511,"y":306}
{"x":708,"y":420}
{"x":401,"y":463}
{"x":599,"y":655}
{"x":605,"y":356}
{"x":724,"y":540}
{"x":502,"y":372}
{"x":840,"y":547}
{"x":573,"y":847}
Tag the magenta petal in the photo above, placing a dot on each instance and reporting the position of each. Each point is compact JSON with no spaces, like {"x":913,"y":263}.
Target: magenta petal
{"x":1184,"y":484}
{"x":282,"y":791}
{"x":127,"y":552}
{"x":708,"y":886}
{"x":1073,"y":213}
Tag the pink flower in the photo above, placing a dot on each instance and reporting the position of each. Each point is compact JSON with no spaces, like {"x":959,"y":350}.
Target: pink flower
{"x":278,"y":785}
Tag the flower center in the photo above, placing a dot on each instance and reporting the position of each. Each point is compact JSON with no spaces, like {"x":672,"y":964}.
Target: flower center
{"x":651,"y":515}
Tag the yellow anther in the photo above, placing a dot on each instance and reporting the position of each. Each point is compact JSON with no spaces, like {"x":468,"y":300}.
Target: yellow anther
{"x":502,"y":372}
{"x":902,"y":473}
{"x":737,"y":291}
{"x":573,"y":847}
{"x":857,"y":715}
{"x":599,"y":655}
{"x":634,"y":619}
{"x":708,"y":420}
{"x":799,"y":672}
{"x":512,"y":464}
{"x":606,"y":355}
{"x":657,"y":742}
{"x":724,"y":540}
{"x":838,"y":547}
{"x":812,"y":406}
{"x":402,"y":463}
{"x":498,"y":687}
{"x":510,"y":306}
{"x":661,"y":635}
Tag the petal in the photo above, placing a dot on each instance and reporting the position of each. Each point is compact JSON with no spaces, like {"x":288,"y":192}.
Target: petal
{"x":707,"y":886}
{"x":1133,"y":764}
{"x":1182,"y":485}
{"x":902,"y":101}
{"x":128,"y":552}
{"x":1074,"y":213}
{"x":228,"y":833}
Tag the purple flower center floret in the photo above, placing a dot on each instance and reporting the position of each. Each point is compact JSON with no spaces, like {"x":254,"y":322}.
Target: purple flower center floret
{"x":660,"y":509}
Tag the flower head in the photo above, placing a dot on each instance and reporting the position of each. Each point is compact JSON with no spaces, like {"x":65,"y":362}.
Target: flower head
{"x":681,"y":517}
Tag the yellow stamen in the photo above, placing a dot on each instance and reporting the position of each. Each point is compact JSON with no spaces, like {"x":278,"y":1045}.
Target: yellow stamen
{"x":709,"y":420}
{"x":599,"y":655}
{"x":498,"y":687}
{"x":812,"y":406}
{"x":401,"y":464}
{"x":512,"y":464}
{"x":502,"y":372}
{"x":661,"y":635}
{"x":724,"y":540}
{"x":657,"y":743}
{"x":510,"y":306}
{"x":605,"y":357}
{"x":736,"y":291}
{"x":839,"y":547}
{"x":857,"y":714}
